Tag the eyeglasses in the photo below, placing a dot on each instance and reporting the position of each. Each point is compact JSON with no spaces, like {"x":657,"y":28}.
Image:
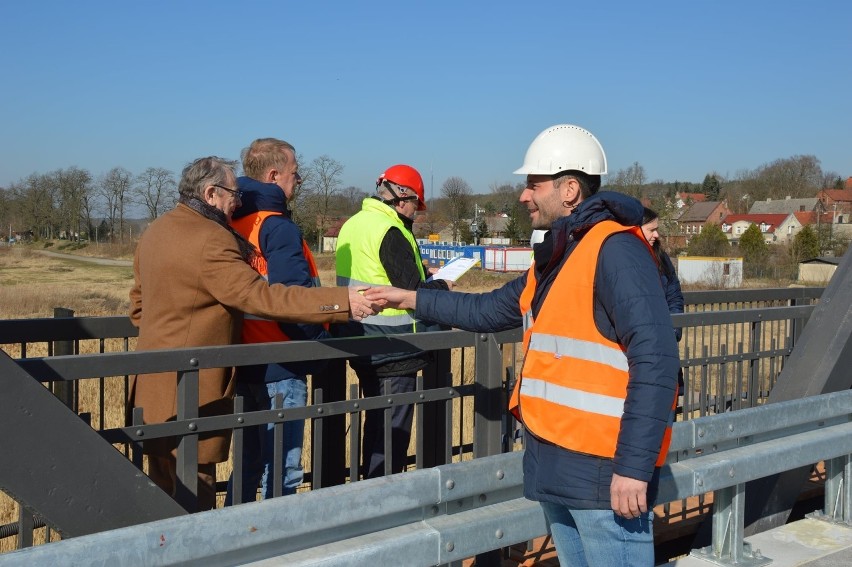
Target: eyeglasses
{"x":235,"y":192}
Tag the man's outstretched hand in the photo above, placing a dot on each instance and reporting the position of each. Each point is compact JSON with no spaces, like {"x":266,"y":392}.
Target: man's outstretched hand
{"x":392,"y":297}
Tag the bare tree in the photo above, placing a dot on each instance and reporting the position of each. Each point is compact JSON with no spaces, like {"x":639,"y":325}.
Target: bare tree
{"x":155,"y":189}
{"x":114,"y":190}
{"x":504,"y":196}
{"x":630,"y":180}
{"x":457,"y":192}
{"x":352,"y":198}
{"x":37,"y":203}
{"x":74,"y":187}
{"x":321,"y":181}
{"x":798,"y":176}
{"x":307,"y":176}
{"x":8,"y":210}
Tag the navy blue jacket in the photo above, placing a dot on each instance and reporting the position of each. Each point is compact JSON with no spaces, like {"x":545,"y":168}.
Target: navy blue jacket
{"x":671,"y":285}
{"x":280,"y":242}
{"x":630,"y":307}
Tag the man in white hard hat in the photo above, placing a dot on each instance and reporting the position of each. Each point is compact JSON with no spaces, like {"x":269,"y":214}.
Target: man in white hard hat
{"x":597,"y":388}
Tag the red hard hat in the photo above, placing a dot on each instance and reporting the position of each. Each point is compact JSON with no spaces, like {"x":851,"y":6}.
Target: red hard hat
{"x":405,"y":176}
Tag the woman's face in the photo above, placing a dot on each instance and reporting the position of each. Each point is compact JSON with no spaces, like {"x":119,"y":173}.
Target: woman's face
{"x":650,"y":231}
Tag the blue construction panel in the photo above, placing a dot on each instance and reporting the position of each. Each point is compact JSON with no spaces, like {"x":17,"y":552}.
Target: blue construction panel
{"x":436,"y":255}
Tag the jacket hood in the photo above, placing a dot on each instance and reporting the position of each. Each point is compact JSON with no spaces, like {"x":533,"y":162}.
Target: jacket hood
{"x":259,"y":196}
{"x":603,"y":205}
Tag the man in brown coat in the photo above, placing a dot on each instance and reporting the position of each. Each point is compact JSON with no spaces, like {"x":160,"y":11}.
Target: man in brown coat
{"x":193,"y":282}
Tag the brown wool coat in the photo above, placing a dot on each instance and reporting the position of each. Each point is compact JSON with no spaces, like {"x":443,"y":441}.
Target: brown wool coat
{"x":191,"y":288}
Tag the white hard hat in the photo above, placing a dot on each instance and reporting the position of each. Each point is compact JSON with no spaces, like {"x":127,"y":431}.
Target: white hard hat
{"x":563,"y":147}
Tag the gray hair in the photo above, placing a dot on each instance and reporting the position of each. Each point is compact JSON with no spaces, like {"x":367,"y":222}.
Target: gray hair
{"x":386,"y":190}
{"x":203,"y":173}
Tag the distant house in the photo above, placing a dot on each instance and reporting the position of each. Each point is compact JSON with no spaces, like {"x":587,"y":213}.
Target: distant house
{"x":329,"y":237}
{"x":817,"y":270}
{"x":788,"y":205}
{"x":735,"y":225}
{"x":710,"y":271}
{"x":425,"y":225}
{"x":686,"y":200}
{"x":838,"y":202}
{"x":497,"y":224}
{"x":692,"y":220}
{"x":22,"y":236}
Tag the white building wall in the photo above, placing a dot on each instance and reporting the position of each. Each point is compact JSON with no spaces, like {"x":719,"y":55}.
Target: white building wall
{"x":712,"y":272}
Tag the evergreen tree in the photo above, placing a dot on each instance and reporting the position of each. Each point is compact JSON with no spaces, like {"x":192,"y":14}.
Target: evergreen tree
{"x":481,"y":230}
{"x":513,"y":232}
{"x":711,"y":187}
{"x":710,"y":242}
{"x":805,"y":244}
{"x":465,"y":234}
{"x":755,"y":252}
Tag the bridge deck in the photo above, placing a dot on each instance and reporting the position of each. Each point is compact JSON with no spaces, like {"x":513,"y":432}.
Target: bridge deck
{"x":808,"y":542}
{"x":805,"y":545}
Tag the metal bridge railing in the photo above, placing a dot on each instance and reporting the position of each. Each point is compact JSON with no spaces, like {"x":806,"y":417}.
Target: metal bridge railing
{"x":744,"y":337}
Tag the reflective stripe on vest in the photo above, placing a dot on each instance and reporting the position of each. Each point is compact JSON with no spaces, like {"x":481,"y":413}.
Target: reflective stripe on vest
{"x":258,"y":329}
{"x":574,"y":380}
{"x":568,"y":397}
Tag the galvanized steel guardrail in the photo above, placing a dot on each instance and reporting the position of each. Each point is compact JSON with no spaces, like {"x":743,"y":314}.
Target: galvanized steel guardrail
{"x":451,"y":512}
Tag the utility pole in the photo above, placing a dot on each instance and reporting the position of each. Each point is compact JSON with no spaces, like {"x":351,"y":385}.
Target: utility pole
{"x":474,"y":226}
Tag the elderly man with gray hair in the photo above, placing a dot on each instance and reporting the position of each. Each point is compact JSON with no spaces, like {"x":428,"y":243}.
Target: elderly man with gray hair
{"x":193,"y":280}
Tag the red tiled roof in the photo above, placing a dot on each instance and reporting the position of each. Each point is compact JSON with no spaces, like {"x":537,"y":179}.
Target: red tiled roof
{"x":810,"y":217}
{"x":695,"y":197}
{"x":773,"y":220}
{"x":334,"y":230}
{"x":838,"y":195}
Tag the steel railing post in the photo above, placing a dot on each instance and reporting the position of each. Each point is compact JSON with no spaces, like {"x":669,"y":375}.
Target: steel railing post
{"x":332,"y":430}
{"x":488,"y":413}
{"x":488,"y":397}
{"x":62,"y":389}
{"x":437,"y":443}
{"x":186,"y":488}
{"x":728,"y":545}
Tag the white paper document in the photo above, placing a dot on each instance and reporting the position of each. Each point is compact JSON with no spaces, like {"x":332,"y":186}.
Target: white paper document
{"x":454,"y":269}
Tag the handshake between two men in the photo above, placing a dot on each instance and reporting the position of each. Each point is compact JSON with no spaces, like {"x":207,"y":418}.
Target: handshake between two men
{"x":367,"y":301}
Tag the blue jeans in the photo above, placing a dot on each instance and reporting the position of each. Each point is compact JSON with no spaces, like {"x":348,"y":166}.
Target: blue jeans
{"x":591,"y":538}
{"x":259,"y":442}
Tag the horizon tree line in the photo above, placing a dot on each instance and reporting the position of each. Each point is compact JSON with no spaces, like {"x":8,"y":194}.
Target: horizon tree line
{"x":73,"y":202}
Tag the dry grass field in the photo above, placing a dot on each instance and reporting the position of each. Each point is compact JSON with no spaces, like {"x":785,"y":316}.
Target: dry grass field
{"x":33,"y":284}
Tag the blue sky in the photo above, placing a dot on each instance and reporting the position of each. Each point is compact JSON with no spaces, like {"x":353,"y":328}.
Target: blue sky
{"x":453,"y":88}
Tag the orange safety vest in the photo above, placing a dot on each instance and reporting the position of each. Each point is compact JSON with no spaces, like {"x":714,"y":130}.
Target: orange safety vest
{"x":574,"y":380}
{"x":257,"y":329}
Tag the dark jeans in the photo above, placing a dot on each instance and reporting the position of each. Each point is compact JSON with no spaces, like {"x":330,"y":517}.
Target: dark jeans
{"x":373,"y":446}
{"x":258,"y":456}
